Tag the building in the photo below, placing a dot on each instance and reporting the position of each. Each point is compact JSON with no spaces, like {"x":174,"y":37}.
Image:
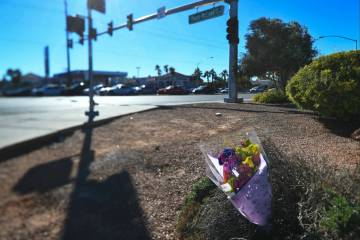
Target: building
{"x":108,"y":78}
{"x":165,"y":80}
{"x":32,"y":79}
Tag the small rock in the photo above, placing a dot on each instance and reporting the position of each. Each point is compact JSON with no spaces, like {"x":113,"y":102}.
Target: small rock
{"x":218,"y":114}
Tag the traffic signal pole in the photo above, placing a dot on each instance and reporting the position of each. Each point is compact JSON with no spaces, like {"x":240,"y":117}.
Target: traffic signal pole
{"x":233,"y":42}
{"x":69,"y":79}
{"x":233,"y":54}
{"x":167,"y":13}
{"x":91,"y":113}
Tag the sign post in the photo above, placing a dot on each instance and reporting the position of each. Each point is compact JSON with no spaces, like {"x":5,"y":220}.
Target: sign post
{"x":97,"y":5}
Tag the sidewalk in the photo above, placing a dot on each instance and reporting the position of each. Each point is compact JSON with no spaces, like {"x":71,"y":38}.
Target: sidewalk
{"x":32,"y":125}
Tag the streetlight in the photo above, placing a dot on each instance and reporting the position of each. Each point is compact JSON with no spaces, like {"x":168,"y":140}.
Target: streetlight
{"x":197,"y":65}
{"x":138,"y":71}
{"x":337,"y":36}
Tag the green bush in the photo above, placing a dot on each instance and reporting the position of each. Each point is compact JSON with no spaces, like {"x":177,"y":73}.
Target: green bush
{"x":339,"y":217}
{"x":329,"y":85}
{"x":271,"y":96}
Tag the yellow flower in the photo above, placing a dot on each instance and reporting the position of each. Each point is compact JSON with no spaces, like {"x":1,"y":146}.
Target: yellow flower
{"x":248,"y":161}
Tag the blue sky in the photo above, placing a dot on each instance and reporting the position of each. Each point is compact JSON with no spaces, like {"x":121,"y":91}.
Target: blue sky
{"x":27,"y":26}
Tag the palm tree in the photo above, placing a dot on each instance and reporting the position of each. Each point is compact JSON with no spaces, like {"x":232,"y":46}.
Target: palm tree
{"x":158,"y":70}
{"x":197,"y":74}
{"x":213,"y":75}
{"x":224,"y":74}
{"x":207,"y":75}
{"x":166,"y":68}
{"x":172,"y":73}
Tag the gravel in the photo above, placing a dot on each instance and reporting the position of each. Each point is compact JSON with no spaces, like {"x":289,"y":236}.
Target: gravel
{"x":144,"y":165}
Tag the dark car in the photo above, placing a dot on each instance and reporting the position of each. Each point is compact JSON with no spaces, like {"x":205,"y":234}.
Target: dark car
{"x":17,"y":92}
{"x":147,"y":90}
{"x":76,"y":89}
{"x":49,"y":90}
{"x":173,"y":90}
{"x":258,"y":89}
{"x":204,"y":89}
{"x":121,"y":90}
{"x":96,"y":89}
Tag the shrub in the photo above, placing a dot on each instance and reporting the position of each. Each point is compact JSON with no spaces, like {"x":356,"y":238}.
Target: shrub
{"x":271,"y":96}
{"x":329,"y":85}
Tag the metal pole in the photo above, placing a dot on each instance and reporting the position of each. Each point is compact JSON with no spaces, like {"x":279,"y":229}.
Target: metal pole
{"x":233,"y":60}
{"x":91,"y":114}
{"x":69,"y":80}
{"x":167,"y":13}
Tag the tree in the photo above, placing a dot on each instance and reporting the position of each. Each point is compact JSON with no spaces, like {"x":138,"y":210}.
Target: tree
{"x":158,"y":70}
{"x":224,"y":75}
{"x":207,"y":75}
{"x":166,"y":68}
{"x":276,"y":50}
{"x":196,"y":76}
{"x":14,"y":76}
{"x":172,"y":73}
{"x":213,"y":75}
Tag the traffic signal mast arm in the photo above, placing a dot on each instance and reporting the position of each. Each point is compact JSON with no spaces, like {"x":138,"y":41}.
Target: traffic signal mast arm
{"x":167,"y":12}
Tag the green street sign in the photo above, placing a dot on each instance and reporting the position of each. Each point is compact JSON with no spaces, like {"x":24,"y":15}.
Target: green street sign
{"x":207,"y":14}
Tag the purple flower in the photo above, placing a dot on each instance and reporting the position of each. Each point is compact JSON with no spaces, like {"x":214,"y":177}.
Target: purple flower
{"x":226,"y":155}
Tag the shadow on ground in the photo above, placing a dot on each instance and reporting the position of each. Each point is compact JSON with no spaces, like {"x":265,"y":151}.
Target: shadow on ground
{"x":340,"y":128}
{"x":102,"y":210}
{"x":45,"y":177}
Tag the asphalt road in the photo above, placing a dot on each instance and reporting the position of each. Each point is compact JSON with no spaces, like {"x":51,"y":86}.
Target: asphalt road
{"x":25,"y":118}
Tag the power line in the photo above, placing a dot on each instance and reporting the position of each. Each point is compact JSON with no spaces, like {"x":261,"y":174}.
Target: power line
{"x":183,"y":40}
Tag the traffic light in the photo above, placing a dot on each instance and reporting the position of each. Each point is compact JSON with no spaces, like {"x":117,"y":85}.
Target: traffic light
{"x":93,"y":34}
{"x":70,"y":43}
{"x":110,"y":28}
{"x":232,"y":30}
{"x":130,"y":22}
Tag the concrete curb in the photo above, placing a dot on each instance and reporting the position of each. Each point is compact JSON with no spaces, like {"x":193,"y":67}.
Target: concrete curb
{"x":30,"y":145}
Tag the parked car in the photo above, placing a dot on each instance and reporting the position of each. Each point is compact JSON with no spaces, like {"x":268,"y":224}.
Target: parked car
{"x":204,"y":89}
{"x":258,"y":89}
{"x":173,"y":90}
{"x":17,"y":92}
{"x":104,"y":91}
{"x":224,"y":90}
{"x":121,"y":89}
{"x":96,"y":89}
{"x":76,"y":89}
{"x":49,"y":90}
{"x":145,"y":89}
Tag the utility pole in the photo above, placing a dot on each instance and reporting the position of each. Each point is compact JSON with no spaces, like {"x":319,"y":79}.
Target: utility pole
{"x":233,"y":52}
{"x":68,"y":42}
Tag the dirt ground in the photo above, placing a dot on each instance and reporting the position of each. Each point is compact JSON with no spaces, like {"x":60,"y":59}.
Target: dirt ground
{"x":127,"y":179}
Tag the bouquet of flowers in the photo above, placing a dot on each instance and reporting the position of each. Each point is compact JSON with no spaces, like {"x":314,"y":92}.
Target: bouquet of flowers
{"x":240,"y":169}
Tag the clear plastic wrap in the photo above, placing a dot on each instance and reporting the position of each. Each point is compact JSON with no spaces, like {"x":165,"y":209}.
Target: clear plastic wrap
{"x":253,"y":198}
